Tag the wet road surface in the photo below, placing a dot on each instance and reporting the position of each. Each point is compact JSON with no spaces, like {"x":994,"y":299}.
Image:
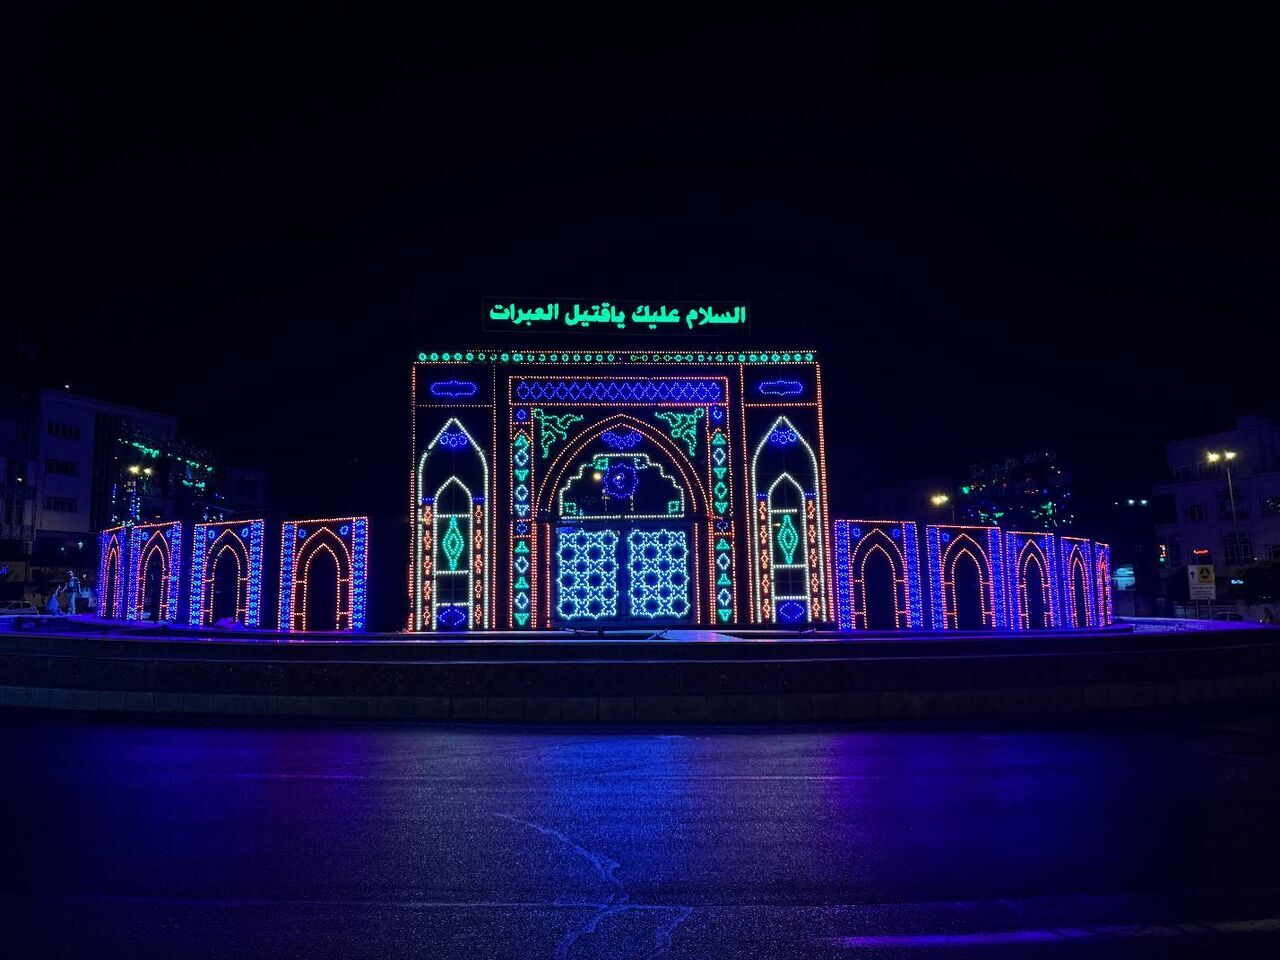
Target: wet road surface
{"x":1120,"y":840}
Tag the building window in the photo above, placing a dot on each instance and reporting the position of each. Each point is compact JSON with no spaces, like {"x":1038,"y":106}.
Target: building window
{"x":60,"y":504}
{"x":1271,"y":506}
{"x":1224,"y":504}
{"x":63,"y":431}
{"x":1196,"y":513}
{"x":1272,"y":551}
{"x":1183,"y":472}
{"x":1238,"y":548}
{"x":64,"y":468}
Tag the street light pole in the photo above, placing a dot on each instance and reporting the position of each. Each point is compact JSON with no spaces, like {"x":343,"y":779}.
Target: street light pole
{"x":941,"y":499}
{"x":1227,"y":456}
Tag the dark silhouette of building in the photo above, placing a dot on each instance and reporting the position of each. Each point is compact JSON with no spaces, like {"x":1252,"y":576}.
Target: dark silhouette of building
{"x":1031,"y":492}
{"x":1226,"y":497}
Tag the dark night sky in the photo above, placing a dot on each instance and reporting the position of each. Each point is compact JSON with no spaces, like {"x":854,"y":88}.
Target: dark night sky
{"x":1005,"y":229}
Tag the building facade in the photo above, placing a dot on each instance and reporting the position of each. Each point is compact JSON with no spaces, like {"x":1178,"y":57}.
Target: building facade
{"x":73,"y":465}
{"x":1229,"y":525}
{"x":593,"y":489}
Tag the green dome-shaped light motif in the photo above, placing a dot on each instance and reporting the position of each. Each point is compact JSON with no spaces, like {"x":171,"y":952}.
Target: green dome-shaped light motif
{"x":452,"y":543}
{"x":788,"y":539}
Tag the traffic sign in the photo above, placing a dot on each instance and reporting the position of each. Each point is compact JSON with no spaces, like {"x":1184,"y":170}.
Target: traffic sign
{"x":1203,"y":584}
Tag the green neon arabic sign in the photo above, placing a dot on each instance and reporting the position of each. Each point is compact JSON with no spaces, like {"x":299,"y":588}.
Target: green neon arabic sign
{"x":614,"y":317}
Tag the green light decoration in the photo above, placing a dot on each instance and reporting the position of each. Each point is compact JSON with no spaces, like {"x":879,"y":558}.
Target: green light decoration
{"x":683,"y":426}
{"x":555,"y":427}
{"x":503,"y":316}
{"x":788,"y":539}
{"x":452,"y":543}
{"x":797,"y":356}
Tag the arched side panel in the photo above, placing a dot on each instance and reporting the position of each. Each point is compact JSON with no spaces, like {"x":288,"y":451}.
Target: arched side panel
{"x":244,"y":537}
{"x":1102,"y":564}
{"x":113,"y":562}
{"x":721,"y":530}
{"x":1077,"y":567}
{"x":524,"y":544}
{"x":854,"y":542}
{"x":1032,"y":554}
{"x":347,"y":539}
{"x":145,"y":541}
{"x":453,"y":455}
{"x":788,"y":528}
{"x":945,"y":545}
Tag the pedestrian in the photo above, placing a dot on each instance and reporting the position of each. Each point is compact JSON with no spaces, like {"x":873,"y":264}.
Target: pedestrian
{"x":73,"y":591}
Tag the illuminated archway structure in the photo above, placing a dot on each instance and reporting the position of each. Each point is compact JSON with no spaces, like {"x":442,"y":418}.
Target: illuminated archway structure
{"x":343,"y":539}
{"x":113,"y":565}
{"x":1078,"y":574}
{"x":1032,"y":557}
{"x":239,"y":544}
{"x":158,"y":546}
{"x":452,"y":541}
{"x":615,"y":487}
{"x":1102,"y":587}
{"x":859,"y":542}
{"x":1005,"y":561}
{"x":951,"y":545}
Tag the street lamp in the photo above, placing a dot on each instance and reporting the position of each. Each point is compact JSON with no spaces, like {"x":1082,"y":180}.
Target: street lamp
{"x":940,"y":500}
{"x":1225,"y":457}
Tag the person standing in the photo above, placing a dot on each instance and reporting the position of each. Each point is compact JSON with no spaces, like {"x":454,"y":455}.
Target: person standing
{"x":73,"y":591}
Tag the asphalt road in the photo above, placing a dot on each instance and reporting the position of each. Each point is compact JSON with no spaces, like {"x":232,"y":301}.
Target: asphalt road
{"x":187,"y":841}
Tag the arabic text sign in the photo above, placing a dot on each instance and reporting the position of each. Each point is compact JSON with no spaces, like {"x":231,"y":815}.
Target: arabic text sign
{"x":614,"y":317}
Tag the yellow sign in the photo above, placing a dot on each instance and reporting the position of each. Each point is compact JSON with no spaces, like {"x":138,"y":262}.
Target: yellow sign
{"x":1202,"y":581}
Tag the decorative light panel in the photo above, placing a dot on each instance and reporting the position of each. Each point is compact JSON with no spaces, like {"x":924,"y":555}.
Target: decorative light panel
{"x":857,"y":545}
{"x":788,"y":535}
{"x":113,"y":570}
{"x":1102,"y":590}
{"x":237,"y":543}
{"x":659,"y":574}
{"x":587,"y":574}
{"x":573,"y":462}
{"x":155,"y":547}
{"x":1032,"y":562}
{"x":345,"y":541}
{"x":452,"y":541}
{"x":1079,"y":583}
{"x":949,"y":546}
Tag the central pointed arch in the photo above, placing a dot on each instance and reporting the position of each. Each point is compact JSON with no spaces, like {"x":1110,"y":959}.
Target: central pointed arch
{"x":554,"y":475}
{"x":647,"y":544}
